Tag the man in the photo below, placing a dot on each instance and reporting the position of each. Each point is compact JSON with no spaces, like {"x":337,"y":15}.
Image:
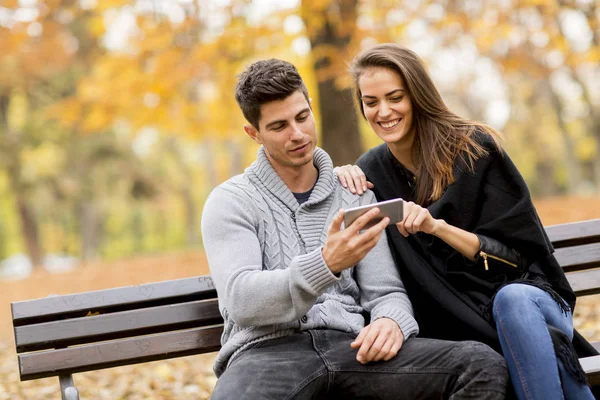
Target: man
{"x":294,"y":286}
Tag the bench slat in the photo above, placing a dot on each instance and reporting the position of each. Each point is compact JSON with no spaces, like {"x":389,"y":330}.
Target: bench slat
{"x":119,"y":352}
{"x":123,"y":298}
{"x":117,"y":325}
{"x":579,"y":257}
{"x":575,"y":233}
{"x":585,"y":283}
{"x":591,"y":366}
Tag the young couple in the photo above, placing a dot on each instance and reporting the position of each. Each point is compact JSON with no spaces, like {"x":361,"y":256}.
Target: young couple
{"x":312,"y":310}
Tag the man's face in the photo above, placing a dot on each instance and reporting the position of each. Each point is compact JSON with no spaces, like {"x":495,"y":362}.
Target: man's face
{"x":287,"y":132}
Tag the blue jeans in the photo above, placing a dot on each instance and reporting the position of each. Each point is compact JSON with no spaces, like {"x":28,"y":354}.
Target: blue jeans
{"x":320,"y":364}
{"x":522,"y":314}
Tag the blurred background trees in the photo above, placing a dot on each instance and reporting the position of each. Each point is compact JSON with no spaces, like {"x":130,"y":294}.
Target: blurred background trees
{"x":117,"y":117}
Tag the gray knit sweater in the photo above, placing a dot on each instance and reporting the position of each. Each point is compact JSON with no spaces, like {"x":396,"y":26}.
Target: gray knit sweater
{"x":264,"y":254}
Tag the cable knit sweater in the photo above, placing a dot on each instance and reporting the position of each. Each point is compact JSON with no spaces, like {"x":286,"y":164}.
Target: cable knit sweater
{"x":264,"y":254}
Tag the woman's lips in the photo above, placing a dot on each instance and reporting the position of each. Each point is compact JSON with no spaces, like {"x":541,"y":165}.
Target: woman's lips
{"x":387,"y":125}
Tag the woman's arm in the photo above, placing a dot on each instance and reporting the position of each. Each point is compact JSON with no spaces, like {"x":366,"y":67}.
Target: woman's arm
{"x":418,"y":219}
{"x":470,"y":245}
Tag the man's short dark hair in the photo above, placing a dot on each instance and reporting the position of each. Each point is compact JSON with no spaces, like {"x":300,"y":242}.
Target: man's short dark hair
{"x":265,"y":81}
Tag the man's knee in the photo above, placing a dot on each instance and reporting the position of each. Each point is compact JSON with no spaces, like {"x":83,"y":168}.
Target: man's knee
{"x":479,"y":356}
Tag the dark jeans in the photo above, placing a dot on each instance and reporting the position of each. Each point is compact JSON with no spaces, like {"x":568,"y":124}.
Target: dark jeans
{"x":320,"y":364}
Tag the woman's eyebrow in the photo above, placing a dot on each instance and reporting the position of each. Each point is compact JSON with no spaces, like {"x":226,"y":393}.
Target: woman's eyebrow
{"x":387,"y":94}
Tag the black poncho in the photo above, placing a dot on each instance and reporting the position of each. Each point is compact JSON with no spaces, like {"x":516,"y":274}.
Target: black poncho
{"x":451,"y":295}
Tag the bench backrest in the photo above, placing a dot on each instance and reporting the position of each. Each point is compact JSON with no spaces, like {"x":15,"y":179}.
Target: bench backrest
{"x":62,"y":335}
{"x":113,"y":327}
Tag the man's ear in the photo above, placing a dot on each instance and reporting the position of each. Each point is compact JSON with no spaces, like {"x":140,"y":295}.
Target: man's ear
{"x":253,"y":133}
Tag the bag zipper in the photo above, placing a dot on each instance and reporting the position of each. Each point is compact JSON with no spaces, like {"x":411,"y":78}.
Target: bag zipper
{"x":485,"y":261}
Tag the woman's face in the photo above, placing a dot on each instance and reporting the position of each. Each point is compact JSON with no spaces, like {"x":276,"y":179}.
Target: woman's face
{"x":387,"y":104}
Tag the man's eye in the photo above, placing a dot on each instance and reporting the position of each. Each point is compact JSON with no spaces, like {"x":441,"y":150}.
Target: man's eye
{"x":278,"y":128}
{"x":302,"y":118}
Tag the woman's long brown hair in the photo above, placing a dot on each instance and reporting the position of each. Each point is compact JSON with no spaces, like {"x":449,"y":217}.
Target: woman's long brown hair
{"x":441,"y":136}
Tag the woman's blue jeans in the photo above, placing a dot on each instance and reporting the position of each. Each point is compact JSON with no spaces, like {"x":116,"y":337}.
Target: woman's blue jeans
{"x":522,"y":313}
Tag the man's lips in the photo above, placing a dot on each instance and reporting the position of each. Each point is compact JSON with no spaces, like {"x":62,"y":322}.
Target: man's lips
{"x":300,"y":147}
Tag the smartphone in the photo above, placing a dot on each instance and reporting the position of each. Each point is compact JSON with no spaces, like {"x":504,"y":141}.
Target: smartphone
{"x":389,"y":208}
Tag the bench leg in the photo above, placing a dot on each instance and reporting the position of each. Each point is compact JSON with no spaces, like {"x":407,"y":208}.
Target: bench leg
{"x":67,"y":388}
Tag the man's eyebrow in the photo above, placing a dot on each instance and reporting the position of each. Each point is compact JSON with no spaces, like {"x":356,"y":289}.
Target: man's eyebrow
{"x":283,"y":121}
{"x":276,"y":122}
{"x":387,"y":94}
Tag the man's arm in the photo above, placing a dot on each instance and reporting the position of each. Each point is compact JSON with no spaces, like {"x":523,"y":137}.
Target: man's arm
{"x":383,"y":295}
{"x":251,"y":296}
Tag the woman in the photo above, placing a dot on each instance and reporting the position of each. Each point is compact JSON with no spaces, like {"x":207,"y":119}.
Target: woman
{"x":469,"y":228}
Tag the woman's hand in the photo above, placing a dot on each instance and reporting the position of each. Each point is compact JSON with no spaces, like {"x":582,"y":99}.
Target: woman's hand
{"x":417,"y":219}
{"x":353,"y":178}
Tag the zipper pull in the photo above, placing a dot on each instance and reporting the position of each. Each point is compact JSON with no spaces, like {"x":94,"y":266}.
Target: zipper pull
{"x":484,"y":255}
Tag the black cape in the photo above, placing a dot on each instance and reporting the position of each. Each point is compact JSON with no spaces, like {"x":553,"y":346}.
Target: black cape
{"x":451,"y":295}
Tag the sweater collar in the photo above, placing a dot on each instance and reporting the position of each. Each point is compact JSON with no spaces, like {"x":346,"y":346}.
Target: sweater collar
{"x":261,"y":173}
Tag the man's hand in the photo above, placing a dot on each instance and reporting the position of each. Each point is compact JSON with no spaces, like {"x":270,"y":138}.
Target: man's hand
{"x":344,"y":248}
{"x":353,"y":178}
{"x":380,"y":340}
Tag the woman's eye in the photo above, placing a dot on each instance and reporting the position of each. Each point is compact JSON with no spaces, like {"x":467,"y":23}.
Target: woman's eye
{"x":370,"y":104}
{"x":396,"y":98}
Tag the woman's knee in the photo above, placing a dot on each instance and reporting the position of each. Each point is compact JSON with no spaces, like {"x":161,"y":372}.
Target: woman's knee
{"x":514,"y":297}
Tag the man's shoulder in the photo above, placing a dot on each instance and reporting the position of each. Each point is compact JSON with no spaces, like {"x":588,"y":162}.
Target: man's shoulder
{"x":238,"y":184}
{"x":349,"y":199}
{"x":235,"y":189}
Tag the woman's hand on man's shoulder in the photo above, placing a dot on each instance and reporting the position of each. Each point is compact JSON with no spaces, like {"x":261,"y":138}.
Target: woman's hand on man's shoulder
{"x":353,"y":178}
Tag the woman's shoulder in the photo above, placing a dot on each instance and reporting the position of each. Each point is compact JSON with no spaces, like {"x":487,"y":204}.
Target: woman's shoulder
{"x":373,"y":156}
{"x":487,"y":140}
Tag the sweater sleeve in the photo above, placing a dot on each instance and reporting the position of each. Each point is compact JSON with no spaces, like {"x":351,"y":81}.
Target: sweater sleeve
{"x":382,"y":290}
{"x":250,"y":295}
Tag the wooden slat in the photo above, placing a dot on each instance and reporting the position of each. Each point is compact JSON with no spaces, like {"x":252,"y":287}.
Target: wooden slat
{"x":119,"y":352}
{"x":575,"y":233}
{"x":117,"y":325}
{"x":579,"y":257}
{"x":123,"y":298}
{"x":585,"y":283}
{"x":591,"y":366}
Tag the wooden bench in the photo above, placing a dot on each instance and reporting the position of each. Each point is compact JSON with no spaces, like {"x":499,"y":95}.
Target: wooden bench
{"x":63,"y":335}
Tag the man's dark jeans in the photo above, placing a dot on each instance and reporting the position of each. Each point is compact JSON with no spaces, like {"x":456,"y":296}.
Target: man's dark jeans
{"x":320,"y":364}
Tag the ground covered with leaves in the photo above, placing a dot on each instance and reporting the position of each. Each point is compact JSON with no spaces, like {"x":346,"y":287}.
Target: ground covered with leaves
{"x":187,"y":377}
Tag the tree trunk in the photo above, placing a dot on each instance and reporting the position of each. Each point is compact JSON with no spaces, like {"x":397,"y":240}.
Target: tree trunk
{"x":330,"y":37}
{"x":29,"y":229}
{"x":572,"y":163}
{"x":90,"y":237}
{"x":187,"y":194}
{"x":10,"y":153}
{"x":191,"y":216}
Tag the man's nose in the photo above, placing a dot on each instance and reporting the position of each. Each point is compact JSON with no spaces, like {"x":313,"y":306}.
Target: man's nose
{"x":296,"y":133}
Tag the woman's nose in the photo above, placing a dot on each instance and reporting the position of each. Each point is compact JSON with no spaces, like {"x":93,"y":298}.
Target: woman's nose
{"x":384,"y":109}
